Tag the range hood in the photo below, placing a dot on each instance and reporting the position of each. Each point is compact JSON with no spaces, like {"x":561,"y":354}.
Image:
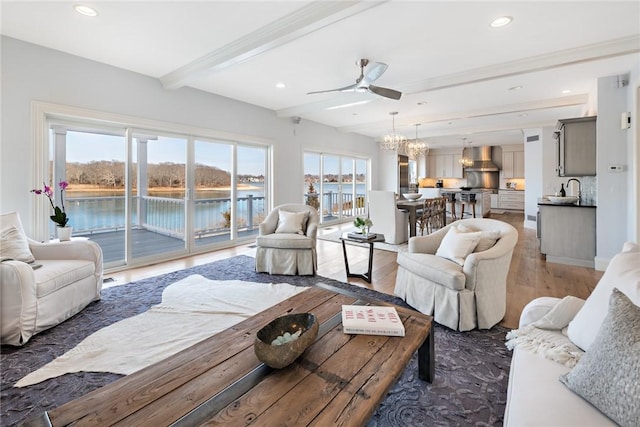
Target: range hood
{"x":481,"y":157}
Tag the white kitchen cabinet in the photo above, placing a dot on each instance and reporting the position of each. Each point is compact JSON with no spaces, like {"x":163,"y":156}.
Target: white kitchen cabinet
{"x":511,"y":199}
{"x":494,"y":201}
{"x":444,"y":166}
{"x":512,"y":164}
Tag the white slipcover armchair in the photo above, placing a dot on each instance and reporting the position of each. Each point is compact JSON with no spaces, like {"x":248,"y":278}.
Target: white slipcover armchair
{"x":35,"y":299}
{"x":387,"y":218}
{"x":461,"y":297}
{"x":287,"y":250}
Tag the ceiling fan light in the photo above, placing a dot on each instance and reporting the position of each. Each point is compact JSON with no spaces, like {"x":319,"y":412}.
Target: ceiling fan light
{"x":85,"y":10}
{"x":501,"y":21}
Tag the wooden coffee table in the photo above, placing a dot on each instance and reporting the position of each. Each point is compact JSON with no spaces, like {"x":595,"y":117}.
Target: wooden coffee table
{"x":339,"y":380}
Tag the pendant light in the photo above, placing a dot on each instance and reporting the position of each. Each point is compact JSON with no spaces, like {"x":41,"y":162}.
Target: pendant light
{"x":465,"y":161}
{"x":417,"y":148}
{"x":393,"y":141}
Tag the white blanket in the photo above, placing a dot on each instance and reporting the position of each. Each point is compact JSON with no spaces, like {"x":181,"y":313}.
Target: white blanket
{"x":191,"y":310}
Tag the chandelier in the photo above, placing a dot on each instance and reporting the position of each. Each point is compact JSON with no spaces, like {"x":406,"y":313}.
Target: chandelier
{"x":393,"y":141}
{"x":464,"y":160}
{"x":416,"y":148}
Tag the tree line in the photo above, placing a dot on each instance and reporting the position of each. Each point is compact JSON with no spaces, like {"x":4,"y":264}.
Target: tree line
{"x":111,"y":174}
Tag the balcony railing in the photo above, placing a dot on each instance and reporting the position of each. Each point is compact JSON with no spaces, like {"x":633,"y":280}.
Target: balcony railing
{"x":335,"y":206}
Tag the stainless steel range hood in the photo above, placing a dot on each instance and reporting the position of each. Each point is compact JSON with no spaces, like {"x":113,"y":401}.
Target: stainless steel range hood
{"x":481,"y":157}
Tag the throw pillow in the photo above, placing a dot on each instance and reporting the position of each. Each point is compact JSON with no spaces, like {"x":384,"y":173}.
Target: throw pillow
{"x":290,"y":222}
{"x":608,"y":375}
{"x":623,"y":272}
{"x":561,"y":314}
{"x":488,"y":238}
{"x":457,"y":245}
{"x":14,"y":244}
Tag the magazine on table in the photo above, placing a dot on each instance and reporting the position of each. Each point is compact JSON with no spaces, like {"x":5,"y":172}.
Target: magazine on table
{"x":371,"y":320}
{"x":359,"y":236}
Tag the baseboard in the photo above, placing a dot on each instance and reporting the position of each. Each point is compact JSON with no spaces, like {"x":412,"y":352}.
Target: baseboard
{"x":571,"y":261}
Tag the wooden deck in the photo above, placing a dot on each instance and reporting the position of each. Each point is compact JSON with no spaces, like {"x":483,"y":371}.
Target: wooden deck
{"x":147,"y":243}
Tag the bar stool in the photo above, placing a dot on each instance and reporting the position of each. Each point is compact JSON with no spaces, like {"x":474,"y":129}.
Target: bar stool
{"x":451,"y":199}
{"x":468,"y":199}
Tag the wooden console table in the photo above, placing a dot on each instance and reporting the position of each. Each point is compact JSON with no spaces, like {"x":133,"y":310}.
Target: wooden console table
{"x":339,"y":380}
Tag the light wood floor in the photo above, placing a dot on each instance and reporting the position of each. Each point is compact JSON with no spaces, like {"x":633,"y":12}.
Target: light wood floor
{"x":530,"y":275}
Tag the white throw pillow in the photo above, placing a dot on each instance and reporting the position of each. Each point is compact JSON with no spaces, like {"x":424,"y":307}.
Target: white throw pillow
{"x":623,"y":273}
{"x":291,"y":222}
{"x":457,"y":245}
{"x":561,"y":314}
{"x":488,"y":238}
{"x":14,"y":245}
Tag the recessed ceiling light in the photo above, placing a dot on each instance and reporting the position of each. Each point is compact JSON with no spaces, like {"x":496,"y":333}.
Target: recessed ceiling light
{"x":566,"y":91}
{"x":501,"y":21}
{"x":451,"y":123}
{"x":523,"y":115}
{"x":280,"y":85}
{"x":515,"y":88}
{"x":422,"y":103}
{"x":85,"y":10}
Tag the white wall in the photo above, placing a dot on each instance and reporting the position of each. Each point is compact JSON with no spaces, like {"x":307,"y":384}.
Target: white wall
{"x":613,"y":188}
{"x":34,"y":73}
{"x":633,"y":142}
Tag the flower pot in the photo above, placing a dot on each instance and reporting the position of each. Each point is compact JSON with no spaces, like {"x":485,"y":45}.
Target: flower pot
{"x":64,"y":233}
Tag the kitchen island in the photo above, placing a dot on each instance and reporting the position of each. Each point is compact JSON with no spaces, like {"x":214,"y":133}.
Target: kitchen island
{"x":567,"y":232}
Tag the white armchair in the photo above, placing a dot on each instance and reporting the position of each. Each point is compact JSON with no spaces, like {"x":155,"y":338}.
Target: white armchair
{"x":387,"y":218}
{"x":286,"y":243}
{"x":461,"y":297}
{"x":68,"y":278}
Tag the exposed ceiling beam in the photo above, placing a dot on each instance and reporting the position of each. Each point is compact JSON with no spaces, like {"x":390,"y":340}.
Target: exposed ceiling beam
{"x":307,"y":19}
{"x":564,"y":101}
{"x":548,"y":61}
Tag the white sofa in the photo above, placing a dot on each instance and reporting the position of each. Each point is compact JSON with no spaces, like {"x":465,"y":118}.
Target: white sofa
{"x":56,"y":281}
{"x":543,"y":352}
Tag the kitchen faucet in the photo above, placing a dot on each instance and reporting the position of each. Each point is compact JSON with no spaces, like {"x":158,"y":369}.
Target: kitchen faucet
{"x":579,"y":187}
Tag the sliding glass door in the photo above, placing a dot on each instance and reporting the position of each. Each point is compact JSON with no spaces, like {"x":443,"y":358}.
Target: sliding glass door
{"x":336,"y":185}
{"x":165,"y":196}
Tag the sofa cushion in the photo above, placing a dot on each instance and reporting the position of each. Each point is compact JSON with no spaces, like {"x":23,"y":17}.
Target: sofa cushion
{"x":439,"y":270}
{"x":457,"y":245}
{"x":285,"y":241}
{"x":14,"y":245}
{"x":488,"y":238}
{"x":561,"y":314}
{"x":608,"y":375}
{"x":291,"y":222}
{"x":58,"y":273}
{"x":536,"y":398}
{"x":623,"y":273}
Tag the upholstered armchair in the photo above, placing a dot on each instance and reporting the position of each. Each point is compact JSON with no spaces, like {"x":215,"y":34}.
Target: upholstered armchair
{"x":43,"y":284}
{"x":387,"y":218}
{"x":286,"y":243}
{"x":460,"y":290}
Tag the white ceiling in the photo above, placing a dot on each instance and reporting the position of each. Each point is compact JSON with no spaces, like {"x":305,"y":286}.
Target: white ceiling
{"x":442,"y":53}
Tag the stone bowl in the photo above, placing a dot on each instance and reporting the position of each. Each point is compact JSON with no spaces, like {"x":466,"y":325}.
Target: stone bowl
{"x":412,"y":196}
{"x":563,"y":200}
{"x":279,"y":356}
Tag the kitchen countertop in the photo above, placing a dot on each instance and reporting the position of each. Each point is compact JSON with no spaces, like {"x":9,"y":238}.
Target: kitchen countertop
{"x":582,"y":204}
{"x":473,"y":190}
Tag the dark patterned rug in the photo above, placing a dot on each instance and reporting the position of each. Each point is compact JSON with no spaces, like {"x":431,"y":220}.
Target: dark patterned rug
{"x":472,"y":368}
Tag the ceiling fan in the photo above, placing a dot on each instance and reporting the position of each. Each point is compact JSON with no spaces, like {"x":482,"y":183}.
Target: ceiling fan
{"x":363,"y":83}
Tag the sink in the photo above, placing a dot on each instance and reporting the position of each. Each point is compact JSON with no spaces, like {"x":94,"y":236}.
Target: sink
{"x":560,"y":200}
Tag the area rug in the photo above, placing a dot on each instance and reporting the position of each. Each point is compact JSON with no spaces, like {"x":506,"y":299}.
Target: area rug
{"x":472,"y":368}
{"x":335,"y":237}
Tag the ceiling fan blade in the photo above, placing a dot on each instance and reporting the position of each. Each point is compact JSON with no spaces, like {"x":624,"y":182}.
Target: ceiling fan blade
{"x":375,"y":70}
{"x":383,"y":91}
{"x":341,"y":89}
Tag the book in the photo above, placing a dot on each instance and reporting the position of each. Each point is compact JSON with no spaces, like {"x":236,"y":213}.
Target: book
{"x":371,"y":320}
{"x":359,"y":236}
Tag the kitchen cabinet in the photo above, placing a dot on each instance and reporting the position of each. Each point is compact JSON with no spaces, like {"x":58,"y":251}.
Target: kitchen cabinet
{"x":445,"y":166}
{"x":568,"y":234}
{"x":576,"y":147}
{"x":513,"y":164}
{"x":494,"y":201}
{"x":511,"y":199}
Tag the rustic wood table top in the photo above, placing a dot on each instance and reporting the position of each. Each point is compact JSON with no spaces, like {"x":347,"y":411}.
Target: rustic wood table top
{"x":339,"y":380}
